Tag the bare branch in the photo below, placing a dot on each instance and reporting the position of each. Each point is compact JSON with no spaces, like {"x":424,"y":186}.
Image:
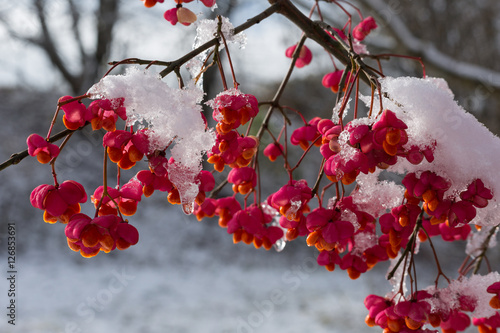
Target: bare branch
{"x":75,"y":16}
{"x":46,"y":42}
{"x":18,"y":157}
{"x":430,"y":53}
{"x":106,"y":17}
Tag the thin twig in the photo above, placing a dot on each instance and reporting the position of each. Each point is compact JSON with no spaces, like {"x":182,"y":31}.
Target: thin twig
{"x":249,"y":23}
{"x":485,"y":248}
{"x":409,"y":246}
{"x":18,"y":157}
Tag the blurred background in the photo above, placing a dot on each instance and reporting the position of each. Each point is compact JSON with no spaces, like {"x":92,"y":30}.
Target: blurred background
{"x":185,"y":275}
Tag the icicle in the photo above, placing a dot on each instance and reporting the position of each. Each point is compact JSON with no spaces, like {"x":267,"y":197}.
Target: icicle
{"x":188,"y":208}
{"x":280,"y":243}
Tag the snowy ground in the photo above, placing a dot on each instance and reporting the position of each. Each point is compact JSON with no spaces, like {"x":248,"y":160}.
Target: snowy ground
{"x":171,"y":283}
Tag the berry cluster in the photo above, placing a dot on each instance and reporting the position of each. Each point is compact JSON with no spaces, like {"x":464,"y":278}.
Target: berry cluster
{"x":108,"y":230}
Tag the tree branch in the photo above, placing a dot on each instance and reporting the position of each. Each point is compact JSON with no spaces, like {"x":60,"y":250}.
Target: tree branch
{"x":18,"y":157}
{"x":46,"y":42}
{"x":75,"y":17}
{"x":316,"y":32}
{"x":430,"y":53}
{"x":249,"y":23}
{"x":107,"y":16}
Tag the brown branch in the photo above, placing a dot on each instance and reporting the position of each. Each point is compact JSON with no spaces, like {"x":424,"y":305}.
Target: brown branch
{"x":106,"y":18}
{"x":316,"y":31}
{"x":46,"y":43}
{"x":275,"y":102}
{"x":249,"y":23}
{"x":137,"y":61}
{"x":409,"y":246}
{"x":311,"y":29}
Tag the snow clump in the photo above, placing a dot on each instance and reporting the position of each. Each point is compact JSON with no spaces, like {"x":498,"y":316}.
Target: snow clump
{"x":464,"y":149}
{"x":172,"y":117}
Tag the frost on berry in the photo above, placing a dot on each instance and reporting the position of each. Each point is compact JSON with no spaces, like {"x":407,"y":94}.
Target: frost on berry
{"x":291,"y":200}
{"x":232,"y":108}
{"x":467,"y":294}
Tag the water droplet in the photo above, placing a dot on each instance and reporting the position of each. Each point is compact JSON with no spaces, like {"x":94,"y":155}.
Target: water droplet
{"x":188,"y":208}
{"x":280,"y":244}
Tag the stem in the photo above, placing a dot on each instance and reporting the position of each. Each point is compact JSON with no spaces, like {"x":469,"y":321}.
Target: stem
{"x":409,"y":246}
{"x":281,"y":89}
{"x":219,"y":188}
{"x":54,"y":175}
{"x":481,"y":256}
{"x":52,"y":123}
{"x":221,"y":69}
{"x":235,"y":82}
{"x":371,"y":102}
{"x":356,"y":100}
{"x":257,"y":170}
{"x":323,"y":191}
{"x":369,"y":76}
{"x":346,"y":98}
{"x":179,"y":78}
{"x":311,"y":29}
{"x":440,"y":271}
{"x":304,"y":154}
{"x":217,"y":58}
{"x":53,"y":161}
{"x":388,"y":55}
{"x":104,"y":182}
